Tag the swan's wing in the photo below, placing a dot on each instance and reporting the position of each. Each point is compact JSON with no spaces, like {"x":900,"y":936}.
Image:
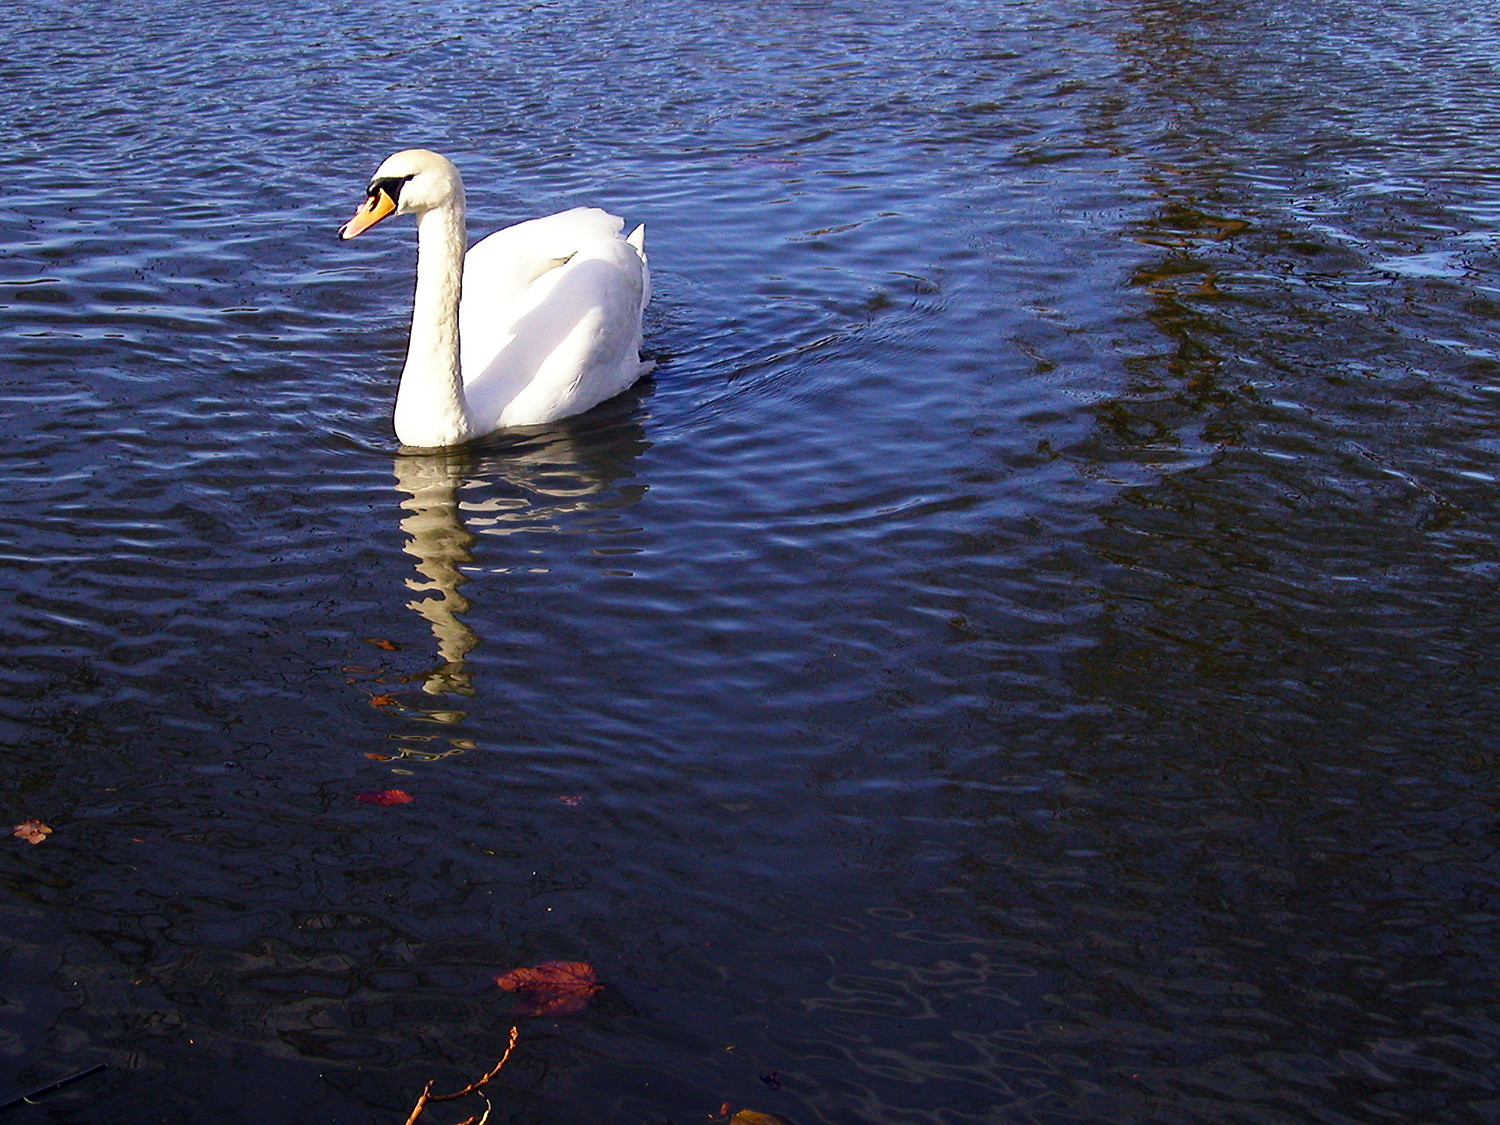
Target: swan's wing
{"x":564,"y":338}
{"x":500,"y":270}
{"x":502,"y":266}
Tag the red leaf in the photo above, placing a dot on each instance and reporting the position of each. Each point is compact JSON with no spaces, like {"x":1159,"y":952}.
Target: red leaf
{"x":385,"y":797}
{"x":32,"y":831}
{"x":553,"y":988}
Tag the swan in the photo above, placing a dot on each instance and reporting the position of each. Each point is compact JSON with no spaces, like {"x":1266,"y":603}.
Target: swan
{"x":536,"y":322}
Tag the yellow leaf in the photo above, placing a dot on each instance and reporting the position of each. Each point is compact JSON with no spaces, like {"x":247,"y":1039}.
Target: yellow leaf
{"x":32,"y":831}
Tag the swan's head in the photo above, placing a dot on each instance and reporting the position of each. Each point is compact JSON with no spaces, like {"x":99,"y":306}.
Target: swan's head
{"x":412,"y":181}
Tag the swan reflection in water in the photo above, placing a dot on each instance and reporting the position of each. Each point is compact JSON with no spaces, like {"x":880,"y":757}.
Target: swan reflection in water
{"x":442,"y":545}
{"x":532,"y":484}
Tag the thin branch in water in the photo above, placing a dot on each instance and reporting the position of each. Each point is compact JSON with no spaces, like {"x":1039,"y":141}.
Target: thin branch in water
{"x":483,"y":1117}
{"x":32,"y":1095}
{"x":416,"y":1110}
{"x":473,"y":1087}
{"x":514,"y":1033}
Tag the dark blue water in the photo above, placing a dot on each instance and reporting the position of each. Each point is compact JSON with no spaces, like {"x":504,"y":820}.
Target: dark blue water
{"x":1026,"y":655}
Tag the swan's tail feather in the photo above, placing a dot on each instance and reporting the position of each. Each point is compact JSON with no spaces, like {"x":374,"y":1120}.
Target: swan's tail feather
{"x":638,"y":238}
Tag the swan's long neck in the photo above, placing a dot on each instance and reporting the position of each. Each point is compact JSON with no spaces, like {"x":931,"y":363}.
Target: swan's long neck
{"x":430,"y":406}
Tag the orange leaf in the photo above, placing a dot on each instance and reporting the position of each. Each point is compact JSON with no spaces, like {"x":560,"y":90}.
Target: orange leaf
{"x":32,"y":831}
{"x":751,"y":1117}
{"x":385,"y":797}
{"x":382,"y":701}
{"x":381,"y":642}
{"x":553,"y":988}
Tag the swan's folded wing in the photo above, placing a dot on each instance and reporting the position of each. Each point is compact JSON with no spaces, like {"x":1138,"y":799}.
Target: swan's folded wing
{"x":500,"y":270}
{"x":501,"y":266}
{"x":570,"y":338}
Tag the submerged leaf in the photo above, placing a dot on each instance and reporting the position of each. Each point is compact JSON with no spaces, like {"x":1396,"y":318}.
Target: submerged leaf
{"x":385,"y":797}
{"x":553,"y":988}
{"x":751,"y":1117}
{"x":32,"y":831}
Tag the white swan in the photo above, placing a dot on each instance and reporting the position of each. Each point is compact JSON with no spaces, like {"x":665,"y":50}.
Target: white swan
{"x":538,"y":321}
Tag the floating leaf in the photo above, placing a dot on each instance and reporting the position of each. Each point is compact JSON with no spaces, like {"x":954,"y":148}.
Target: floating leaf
{"x":751,"y":1117}
{"x":32,"y":831}
{"x":385,"y":797}
{"x":378,"y":757}
{"x":381,"y":642}
{"x":382,"y":701}
{"x":553,"y":988}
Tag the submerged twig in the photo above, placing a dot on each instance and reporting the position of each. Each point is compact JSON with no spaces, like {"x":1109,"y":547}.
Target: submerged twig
{"x":416,"y":1110}
{"x":511,"y":1046}
{"x":43,"y":1091}
{"x":483,"y":1117}
{"x":428,"y":1096}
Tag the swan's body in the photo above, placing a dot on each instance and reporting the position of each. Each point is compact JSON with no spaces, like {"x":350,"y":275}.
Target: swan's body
{"x":537,"y":322}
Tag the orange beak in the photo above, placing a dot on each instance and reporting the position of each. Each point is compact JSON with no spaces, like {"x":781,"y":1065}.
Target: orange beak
{"x":377,"y":207}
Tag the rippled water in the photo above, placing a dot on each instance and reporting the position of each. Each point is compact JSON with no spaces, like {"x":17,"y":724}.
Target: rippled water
{"x":1026,"y":656}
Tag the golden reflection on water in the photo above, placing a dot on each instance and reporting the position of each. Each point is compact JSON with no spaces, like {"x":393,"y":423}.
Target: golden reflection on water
{"x":537,"y":484}
{"x":442,"y":546}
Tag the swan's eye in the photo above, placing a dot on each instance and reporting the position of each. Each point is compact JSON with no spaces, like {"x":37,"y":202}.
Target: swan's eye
{"x":390,"y":186}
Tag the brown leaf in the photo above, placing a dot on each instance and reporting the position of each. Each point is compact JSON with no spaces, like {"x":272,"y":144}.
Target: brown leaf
{"x":381,"y":642}
{"x":751,"y":1117}
{"x":32,"y":831}
{"x":382,"y":701}
{"x":553,"y":988}
{"x":385,"y":797}
{"x":377,"y":757}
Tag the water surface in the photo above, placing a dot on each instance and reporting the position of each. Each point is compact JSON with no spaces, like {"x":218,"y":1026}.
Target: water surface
{"x":1024,"y":657}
